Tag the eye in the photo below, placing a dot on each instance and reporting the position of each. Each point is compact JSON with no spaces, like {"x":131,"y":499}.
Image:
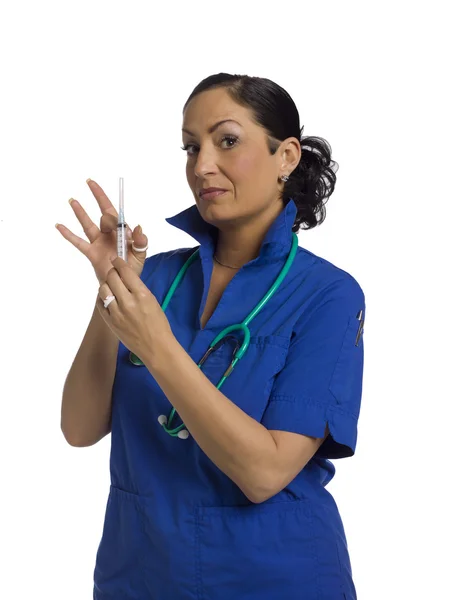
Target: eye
{"x":228,"y":138}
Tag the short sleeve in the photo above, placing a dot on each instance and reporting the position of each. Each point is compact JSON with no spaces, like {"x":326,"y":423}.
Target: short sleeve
{"x":321,"y":381}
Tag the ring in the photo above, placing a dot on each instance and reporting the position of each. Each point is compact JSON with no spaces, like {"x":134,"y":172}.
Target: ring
{"x":139,"y":249}
{"x":108,"y":301}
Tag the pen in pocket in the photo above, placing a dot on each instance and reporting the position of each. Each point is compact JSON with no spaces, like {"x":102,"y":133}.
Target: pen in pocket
{"x":360,"y":329}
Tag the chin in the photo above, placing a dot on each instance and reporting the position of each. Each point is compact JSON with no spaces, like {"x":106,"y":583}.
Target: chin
{"x":213,"y":213}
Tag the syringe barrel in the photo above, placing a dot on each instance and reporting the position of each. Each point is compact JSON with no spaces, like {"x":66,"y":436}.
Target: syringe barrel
{"x":121,"y":226}
{"x":121,"y":241}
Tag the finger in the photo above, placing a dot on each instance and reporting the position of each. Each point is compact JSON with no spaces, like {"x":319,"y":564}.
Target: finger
{"x":105,"y":312}
{"x":104,"y":203}
{"x":109,"y":222}
{"x":129,"y":279}
{"x":100,"y":307}
{"x":89,"y":227}
{"x":78,"y":242}
{"x":103,"y":292}
{"x":115,"y":285}
{"x":140,"y":240}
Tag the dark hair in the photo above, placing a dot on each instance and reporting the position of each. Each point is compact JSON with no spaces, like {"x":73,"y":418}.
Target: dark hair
{"x":313,"y":180}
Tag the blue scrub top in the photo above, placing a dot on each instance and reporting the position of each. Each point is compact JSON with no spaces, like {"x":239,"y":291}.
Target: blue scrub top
{"x":176,"y":527}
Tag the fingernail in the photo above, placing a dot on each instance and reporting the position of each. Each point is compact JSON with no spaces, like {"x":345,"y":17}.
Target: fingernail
{"x":71,"y":200}
{"x":139,"y":228}
{"x":56,"y":225}
{"x":87,"y":180}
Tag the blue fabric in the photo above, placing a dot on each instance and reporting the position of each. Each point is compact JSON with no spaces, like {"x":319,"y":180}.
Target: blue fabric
{"x":176,"y":527}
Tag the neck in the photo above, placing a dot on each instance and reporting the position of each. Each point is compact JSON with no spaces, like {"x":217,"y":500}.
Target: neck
{"x":240,"y":244}
{"x":236,"y":251}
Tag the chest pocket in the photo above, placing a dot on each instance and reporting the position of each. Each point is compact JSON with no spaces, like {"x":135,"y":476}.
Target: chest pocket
{"x":250,"y":383}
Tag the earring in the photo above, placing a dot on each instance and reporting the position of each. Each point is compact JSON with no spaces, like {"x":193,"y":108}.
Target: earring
{"x":284,"y":177}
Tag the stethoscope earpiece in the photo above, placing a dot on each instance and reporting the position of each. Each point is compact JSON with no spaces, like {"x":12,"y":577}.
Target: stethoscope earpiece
{"x":183,"y":434}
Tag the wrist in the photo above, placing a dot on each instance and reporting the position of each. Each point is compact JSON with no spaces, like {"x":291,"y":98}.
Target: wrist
{"x":161,"y":354}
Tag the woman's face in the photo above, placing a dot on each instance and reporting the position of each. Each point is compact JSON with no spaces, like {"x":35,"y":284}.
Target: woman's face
{"x":234,"y":157}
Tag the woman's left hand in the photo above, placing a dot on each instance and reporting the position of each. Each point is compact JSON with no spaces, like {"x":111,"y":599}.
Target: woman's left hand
{"x":135,"y":315}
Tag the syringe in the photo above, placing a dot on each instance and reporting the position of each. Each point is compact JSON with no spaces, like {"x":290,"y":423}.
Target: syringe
{"x":121,"y":225}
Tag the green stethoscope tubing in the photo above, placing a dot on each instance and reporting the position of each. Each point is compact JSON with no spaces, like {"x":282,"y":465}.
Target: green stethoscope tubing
{"x":240,"y":326}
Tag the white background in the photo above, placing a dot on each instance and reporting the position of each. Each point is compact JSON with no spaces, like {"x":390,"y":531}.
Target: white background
{"x":96,"y":89}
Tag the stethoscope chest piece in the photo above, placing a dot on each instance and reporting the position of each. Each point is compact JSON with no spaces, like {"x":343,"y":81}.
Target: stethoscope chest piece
{"x":135,"y":360}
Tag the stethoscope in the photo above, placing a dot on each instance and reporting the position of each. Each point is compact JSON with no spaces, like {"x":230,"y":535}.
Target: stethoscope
{"x":239,"y":351}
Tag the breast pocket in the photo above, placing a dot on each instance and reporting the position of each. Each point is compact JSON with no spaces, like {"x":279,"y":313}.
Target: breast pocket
{"x":250,"y":383}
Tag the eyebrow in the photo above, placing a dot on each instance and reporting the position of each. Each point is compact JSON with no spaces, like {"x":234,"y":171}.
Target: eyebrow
{"x":214,"y":127}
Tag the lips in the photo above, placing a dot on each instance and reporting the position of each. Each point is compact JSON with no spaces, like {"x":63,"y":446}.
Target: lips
{"x":211,"y":189}
{"x":211,"y":195}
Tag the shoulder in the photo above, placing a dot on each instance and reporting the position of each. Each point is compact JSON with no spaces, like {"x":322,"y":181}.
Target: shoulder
{"x":325,"y":277}
{"x":325,"y":272}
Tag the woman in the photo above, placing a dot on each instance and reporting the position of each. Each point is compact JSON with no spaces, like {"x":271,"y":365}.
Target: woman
{"x":218,"y":485}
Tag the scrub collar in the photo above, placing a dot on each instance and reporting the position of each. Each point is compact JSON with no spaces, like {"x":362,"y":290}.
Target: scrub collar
{"x":276,"y":244}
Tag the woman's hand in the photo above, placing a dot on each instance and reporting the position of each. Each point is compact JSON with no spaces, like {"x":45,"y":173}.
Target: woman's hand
{"x":102,"y":249}
{"x":135,"y":315}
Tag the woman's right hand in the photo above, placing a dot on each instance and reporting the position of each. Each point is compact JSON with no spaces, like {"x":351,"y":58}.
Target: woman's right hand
{"x":102,"y":249}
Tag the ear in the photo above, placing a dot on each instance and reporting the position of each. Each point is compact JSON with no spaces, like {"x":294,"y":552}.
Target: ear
{"x":290,"y":153}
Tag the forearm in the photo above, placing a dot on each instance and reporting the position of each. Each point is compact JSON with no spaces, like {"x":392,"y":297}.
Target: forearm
{"x":240,"y":446}
{"x":86,"y":400}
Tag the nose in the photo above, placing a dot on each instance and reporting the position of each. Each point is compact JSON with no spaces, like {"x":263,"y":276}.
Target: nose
{"x":205,"y":162}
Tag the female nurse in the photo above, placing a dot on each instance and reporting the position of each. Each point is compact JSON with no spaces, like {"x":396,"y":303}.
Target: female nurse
{"x":218,"y":485}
